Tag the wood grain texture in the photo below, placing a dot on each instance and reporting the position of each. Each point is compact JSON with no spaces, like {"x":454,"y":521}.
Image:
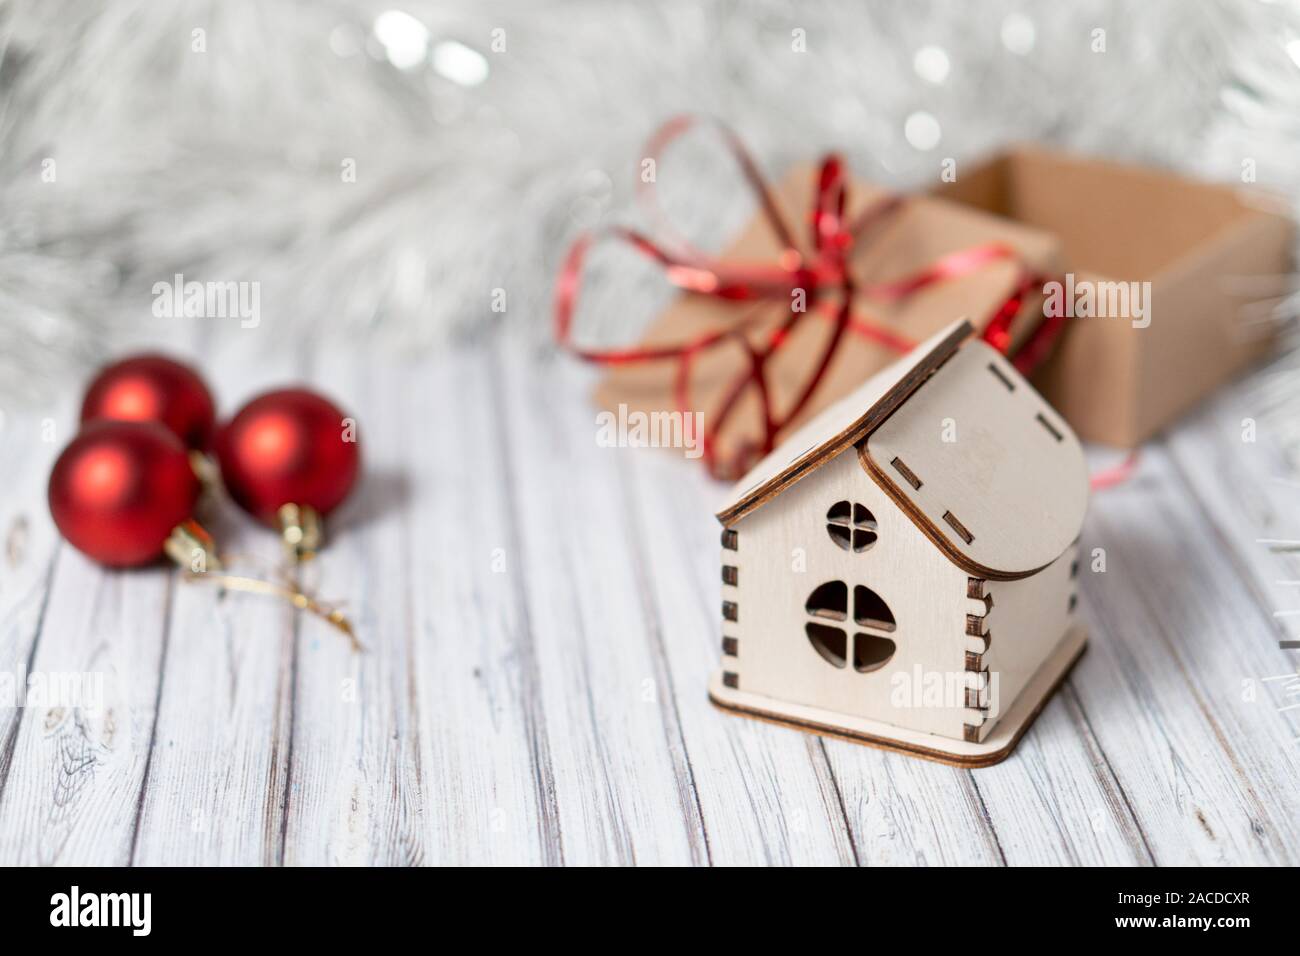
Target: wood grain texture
{"x":99,"y":635}
{"x":766,"y":795}
{"x":600,"y":670}
{"x":489,"y":779}
{"x":78,"y":794}
{"x":1174,"y":640}
{"x":28,"y":547}
{"x":355,"y":776}
{"x":218,"y":776}
{"x":541,"y":621}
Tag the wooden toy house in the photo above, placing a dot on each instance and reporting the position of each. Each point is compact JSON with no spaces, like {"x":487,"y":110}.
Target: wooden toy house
{"x":902,"y":570}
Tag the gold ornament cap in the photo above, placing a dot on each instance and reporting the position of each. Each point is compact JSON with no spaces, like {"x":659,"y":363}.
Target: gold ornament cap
{"x":191,"y":547}
{"x":300,"y":530}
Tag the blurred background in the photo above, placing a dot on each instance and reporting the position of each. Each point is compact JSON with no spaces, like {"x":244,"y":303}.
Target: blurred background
{"x":379,"y":168}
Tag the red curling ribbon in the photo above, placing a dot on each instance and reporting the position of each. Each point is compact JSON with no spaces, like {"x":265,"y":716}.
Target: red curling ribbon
{"x":824,"y":276}
{"x":1115,"y":474}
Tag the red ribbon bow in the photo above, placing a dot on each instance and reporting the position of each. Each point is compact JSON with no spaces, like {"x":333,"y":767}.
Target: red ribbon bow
{"x":828,"y":286}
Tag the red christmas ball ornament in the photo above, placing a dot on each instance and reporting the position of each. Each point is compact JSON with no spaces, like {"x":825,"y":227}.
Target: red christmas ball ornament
{"x":288,"y":458}
{"x":153,"y":388}
{"x":120,"y":489}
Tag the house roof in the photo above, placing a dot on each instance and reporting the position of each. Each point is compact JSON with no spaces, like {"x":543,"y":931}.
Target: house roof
{"x":840,"y":425}
{"x":961,"y":443}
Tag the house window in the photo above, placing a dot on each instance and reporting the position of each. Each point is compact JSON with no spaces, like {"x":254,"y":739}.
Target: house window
{"x":872,"y":620}
{"x":831,"y":600}
{"x":851,"y":526}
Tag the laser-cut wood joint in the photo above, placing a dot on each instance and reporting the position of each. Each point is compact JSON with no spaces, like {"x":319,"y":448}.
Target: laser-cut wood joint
{"x":910,"y":561}
{"x":907,"y":473}
{"x":957,"y":526}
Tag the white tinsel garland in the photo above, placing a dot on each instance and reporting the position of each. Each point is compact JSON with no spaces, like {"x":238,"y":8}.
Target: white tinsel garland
{"x":214,"y":139}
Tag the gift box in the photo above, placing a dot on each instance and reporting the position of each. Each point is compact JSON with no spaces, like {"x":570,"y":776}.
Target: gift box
{"x":1120,"y":378}
{"x":920,"y":233}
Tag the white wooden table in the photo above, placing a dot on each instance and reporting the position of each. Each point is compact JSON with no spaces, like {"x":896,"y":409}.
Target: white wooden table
{"x":542,"y":617}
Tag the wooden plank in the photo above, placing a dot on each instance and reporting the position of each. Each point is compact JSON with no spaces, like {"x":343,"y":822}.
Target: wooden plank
{"x":1056,"y":802}
{"x":492,"y":719}
{"x":623,"y":782}
{"x":1053,"y":802}
{"x":77,"y":758}
{"x":1249,"y":492}
{"x":1174,"y":636}
{"x":766,"y":794}
{"x":218,"y":775}
{"x":484,"y":749}
{"x":75,"y":789}
{"x":903,"y":811}
{"x":29,"y":543}
{"x":355,"y":771}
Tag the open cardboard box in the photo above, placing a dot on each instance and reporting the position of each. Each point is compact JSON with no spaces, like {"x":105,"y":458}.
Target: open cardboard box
{"x":1120,"y":379}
